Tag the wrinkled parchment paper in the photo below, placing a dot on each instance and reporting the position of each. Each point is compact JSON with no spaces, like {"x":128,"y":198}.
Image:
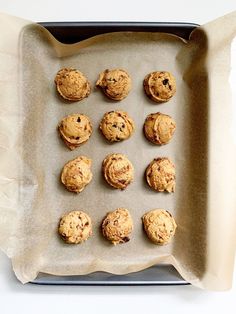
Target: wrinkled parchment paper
{"x":32,"y":155}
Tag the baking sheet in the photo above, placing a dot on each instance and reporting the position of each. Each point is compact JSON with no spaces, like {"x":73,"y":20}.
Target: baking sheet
{"x":33,"y":156}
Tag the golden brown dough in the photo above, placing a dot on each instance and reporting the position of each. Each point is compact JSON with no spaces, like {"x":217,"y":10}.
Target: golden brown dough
{"x":116,"y":84}
{"x":75,"y":227}
{"x":160,"y":175}
{"x":159,"y":225}
{"x":118,"y":171}
{"x":117,"y":126}
{"x":159,"y":128}
{"x":72,"y":85}
{"x":117,"y":226}
{"x":75,"y":130}
{"x":159,"y":86}
{"x":76,"y":174}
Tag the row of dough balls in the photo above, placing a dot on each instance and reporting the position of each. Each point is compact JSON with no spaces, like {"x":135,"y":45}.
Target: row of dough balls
{"x":118,"y":172}
{"x":76,"y":226}
{"x":116,"y":84}
{"x":116,"y":126}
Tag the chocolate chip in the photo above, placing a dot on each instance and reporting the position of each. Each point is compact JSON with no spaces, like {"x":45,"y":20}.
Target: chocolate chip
{"x":126,"y":239}
{"x":123,"y":126}
{"x":165,"y":81}
{"x":78,"y":120}
{"x":63,"y":236}
{"x":122,"y":181}
{"x":77,"y":138}
{"x":114,"y":126}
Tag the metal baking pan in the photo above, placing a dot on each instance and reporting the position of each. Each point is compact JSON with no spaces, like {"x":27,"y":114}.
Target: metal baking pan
{"x":71,"y":32}
{"x":155,"y":275}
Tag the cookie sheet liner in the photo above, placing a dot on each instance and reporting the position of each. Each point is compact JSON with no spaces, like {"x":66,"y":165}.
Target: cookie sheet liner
{"x":32,"y":199}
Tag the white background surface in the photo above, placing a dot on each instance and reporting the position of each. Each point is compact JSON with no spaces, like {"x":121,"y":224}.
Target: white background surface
{"x":16,"y":298}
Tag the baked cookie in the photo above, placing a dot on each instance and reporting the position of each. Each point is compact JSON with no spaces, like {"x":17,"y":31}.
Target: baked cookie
{"x":159,"y":226}
{"x":75,"y":227}
{"x":75,"y":130}
{"x":160,"y":175}
{"x":76,"y":174}
{"x":72,"y":85}
{"x":159,"y":128}
{"x":117,"y":226}
{"x":117,"y":126}
{"x":159,"y":86}
{"x":118,"y":171}
{"x":116,"y":84}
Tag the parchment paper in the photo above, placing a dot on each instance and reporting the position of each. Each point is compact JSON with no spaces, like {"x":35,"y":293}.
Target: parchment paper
{"x":32,"y":155}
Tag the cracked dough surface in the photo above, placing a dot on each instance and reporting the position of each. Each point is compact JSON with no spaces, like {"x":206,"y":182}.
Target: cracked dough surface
{"x":76,"y":174}
{"x":117,"y":126}
{"x":159,"y":226}
{"x":117,"y":226}
{"x":118,"y":171}
{"x":116,"y":84}
{"x":75,"y":130}
{"x":72,"y":84}
{"x":75,"y":227}
{"x":159,"y":128}
{"x":160,"y":175}
{"x":159,"y":86}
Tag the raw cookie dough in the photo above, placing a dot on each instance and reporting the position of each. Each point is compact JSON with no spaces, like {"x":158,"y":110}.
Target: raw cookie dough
{"x":117,"y":226}
{"x":75,"y":130}
{"x":76,"y":174}
{"x":159,"y":86}
{"x":159,"y":128}
{"x":75,"y":227}
{"x":72,"y":85}
{"x":159,"y":225}
{"x":116,"y":84}
{"x":117,"y":126}
{"x":160,"y":175}
{"x":118,"y":171}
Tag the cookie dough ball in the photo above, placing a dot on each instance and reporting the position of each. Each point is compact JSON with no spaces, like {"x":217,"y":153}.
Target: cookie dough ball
{"x":159,"y":226}
{"x":118,"y":171}
{"x":117,"y":226}
{"x":159,"y":128}
{"x":159,"y":86}
{"x":72,"y":85}
{"x":160,"y":175}
{"x":117,"y":126}
{"x":76,"y":174}
{"x":75,"y":227}
{"x":116,"y":84}
{"x":75,"y":130}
